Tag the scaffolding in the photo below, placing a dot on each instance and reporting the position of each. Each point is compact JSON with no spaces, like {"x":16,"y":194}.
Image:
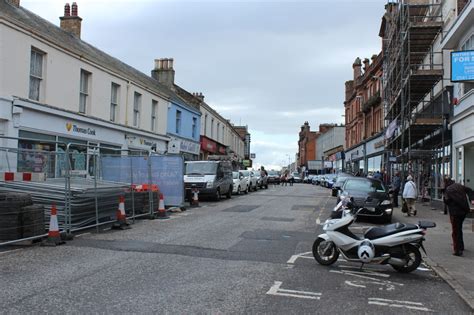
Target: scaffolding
{"x":414,"y":93}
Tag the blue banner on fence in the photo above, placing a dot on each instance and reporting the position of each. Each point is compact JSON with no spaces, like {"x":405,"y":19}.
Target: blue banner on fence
{"x":166,"y":172}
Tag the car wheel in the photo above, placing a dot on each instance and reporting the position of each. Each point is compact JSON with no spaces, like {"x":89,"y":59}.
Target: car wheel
{"x":238,"y":190}
{"x":246,"y":191}
{"x":229,"y":193}
{"x":217,"y":195}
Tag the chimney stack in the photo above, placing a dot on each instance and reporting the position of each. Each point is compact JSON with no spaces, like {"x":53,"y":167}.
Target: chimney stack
{"x":199,"y":96}
{"x":164,"y":72}
{"x":15,"y":3}
{"x":366,"y":64}
{"x":71,"y":22}
{"x":357,"y":68}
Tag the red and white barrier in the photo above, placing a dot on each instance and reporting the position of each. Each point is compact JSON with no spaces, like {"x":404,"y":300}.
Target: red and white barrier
{"x":22,"y":177}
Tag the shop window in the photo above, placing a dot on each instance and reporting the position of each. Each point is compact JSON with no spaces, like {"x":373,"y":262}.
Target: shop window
{"x":36,"y":74}
{"x":84,"y":91}
{"x":36,"y":155}
{"x":114,"y":94}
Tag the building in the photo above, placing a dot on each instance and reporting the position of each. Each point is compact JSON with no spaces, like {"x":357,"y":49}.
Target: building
{"x":330,"y":144}
{"x":184,"y":116}
{"x":56,"y":89}
{"x":364,"y":141}
{"x":244,"y":134}
{"x":306,"y":146}
{"x":417,"y":100}
{"x":460,"y":38}
{"x":218,"y":135}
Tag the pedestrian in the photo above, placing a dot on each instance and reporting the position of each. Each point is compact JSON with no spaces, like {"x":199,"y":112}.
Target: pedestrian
{"x":284,"y":178}
{"x":377,"y":176}
{"x":395,"y":187}
{"x":455,"y":197}
{"x":410,"y":194}
{"x":290,"y":179}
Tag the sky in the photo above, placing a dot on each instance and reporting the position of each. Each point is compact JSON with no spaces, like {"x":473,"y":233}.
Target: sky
{"x":267,"y":64}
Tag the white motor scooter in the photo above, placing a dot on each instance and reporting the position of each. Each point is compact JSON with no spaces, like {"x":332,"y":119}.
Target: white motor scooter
{"x":394,"y":244}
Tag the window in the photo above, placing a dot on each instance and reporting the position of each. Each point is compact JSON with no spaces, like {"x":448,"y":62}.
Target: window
{"x":137,"y":104}
{"x":223,"y":135}
{"x":194,"y":127}
{"x":218,"y":130}
{"x":83,"y":91}
{"x":178,"y":121}
{"x":36,"y":74}
{"x":212,"y":127}
{"x":205,"y":124}
{"x":114,"y":91}
{"x":154,"y":112}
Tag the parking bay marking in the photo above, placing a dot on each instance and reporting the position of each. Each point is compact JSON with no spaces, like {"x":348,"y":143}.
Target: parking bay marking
{"x":400,"y":304}
{"x":293,"y":258}
{"x":276,"y":290}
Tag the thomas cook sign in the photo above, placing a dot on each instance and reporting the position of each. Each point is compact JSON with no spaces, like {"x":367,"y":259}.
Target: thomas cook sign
{"x":76,"y":129}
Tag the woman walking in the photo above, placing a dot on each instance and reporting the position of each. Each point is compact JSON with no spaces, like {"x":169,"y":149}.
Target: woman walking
{"x":410,"y":193}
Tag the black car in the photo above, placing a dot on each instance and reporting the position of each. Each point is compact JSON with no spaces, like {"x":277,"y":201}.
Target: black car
{"x":369,"y":194}
{"x":273,"y":177}
{"x":340,"y":180}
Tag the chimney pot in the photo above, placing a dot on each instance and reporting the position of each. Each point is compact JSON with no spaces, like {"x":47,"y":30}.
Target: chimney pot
{"x":74,"y":9}
{"x":67,"y":10}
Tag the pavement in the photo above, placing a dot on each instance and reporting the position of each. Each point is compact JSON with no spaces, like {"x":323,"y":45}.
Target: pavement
{"x":457,"y":271}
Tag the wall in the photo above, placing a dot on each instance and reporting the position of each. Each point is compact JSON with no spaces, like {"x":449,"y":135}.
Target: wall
{"x":61,"y":75}
{"x":186,"y":122}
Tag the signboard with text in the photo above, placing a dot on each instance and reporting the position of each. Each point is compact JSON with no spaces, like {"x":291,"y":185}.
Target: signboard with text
{"x":462,"y":66}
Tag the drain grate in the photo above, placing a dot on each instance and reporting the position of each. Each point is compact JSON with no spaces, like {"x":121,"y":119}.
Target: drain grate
{"x":240,"y":209}
{"x":277,"y":219}
{"x":304,"y":207}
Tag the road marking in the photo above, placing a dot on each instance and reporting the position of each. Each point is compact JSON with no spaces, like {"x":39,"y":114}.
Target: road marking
{"x":295,"y":257}
{"x":79,"y":235}
{"x":389,"y":285}
{"x":365,"y":271}
{"x":400,"y":304}
{"x":275,"y":290}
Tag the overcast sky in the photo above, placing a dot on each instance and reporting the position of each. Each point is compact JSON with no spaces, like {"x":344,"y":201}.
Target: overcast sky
{"x":271,"y":65}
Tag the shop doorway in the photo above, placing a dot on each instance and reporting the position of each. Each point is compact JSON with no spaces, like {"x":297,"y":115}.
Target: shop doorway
{"x":468,"y":175}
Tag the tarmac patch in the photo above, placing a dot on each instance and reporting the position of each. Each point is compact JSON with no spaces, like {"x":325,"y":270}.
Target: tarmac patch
{"x":240,"y":209}
{"x":277,"y":219}
{"x":304,"y":207}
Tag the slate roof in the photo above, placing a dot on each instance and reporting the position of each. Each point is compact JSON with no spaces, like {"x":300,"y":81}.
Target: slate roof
{"x":54,"y":34}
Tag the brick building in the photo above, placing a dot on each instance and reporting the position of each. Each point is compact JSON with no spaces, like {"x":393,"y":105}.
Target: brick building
{"x":364,"y":117}
{"x":306,"y":145}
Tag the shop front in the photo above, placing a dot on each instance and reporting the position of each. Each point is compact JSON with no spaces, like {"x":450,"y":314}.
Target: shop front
{"x":375,"y":155}
{"x":354,"y":160}
{"x":186,"y":148}
{"x":46,"y":133}
{"x":463,"y":152}
{"x":208,"y":147}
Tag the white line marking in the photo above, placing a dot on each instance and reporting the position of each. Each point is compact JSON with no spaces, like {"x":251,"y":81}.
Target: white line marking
{"x":79,"y":235}
{"x":355,"y":285}
{"x":11,"y":251}
{"x":295,"y":257}
{"x":365,"y":272}
{"x":275,"y":290}
{"x":422,"y":269}
{"x":404,"y":304}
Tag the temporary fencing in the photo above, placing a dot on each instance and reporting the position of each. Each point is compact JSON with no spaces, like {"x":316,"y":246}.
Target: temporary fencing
{"x":84,"y":182}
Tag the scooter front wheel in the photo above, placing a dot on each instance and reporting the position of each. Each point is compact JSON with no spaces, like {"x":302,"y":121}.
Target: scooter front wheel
{"x":412,"y":256}
{"x":325,"y":252}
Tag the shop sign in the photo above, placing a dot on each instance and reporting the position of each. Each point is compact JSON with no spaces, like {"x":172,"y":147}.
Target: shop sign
{"x":327,"y":164}
{"x":74,"y":128}
{"x":246,"y":163}
{"x":189,"y":147}
{"x":252,"y":155}
{"x":462,"y":66}
{"x":222,"y":149}
{"x":145,"y":142}
{"x":379,"y":144}
{"x":208,"y":145}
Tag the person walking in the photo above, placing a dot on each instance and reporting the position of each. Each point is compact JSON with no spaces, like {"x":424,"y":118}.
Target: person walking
{"x":377,"y":176}
{"x":410,"y":194}
{"x":396,"y":183}
{"x":290,"y":178}
{"x":455,"y":197}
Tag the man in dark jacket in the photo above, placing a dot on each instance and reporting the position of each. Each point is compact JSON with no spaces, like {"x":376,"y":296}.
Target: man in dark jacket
{"x":458,"y":205}
{"x":396,"y":183}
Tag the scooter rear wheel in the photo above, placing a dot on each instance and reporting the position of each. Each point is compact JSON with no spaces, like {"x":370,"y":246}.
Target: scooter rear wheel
{"x":413,"y":259}
{"x":325,"y":252}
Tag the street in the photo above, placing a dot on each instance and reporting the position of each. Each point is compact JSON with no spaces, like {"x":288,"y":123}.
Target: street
{"x":250,"y":254}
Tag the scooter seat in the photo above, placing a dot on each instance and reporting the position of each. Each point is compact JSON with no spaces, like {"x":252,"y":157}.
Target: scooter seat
{"x":378,"y":232}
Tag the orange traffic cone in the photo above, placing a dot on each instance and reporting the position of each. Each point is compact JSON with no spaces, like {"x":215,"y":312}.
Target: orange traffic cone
{"x":161,"y":208}
{"x":54,"y":238}
{"x":121,"y":222}
{"x":195,"y":198}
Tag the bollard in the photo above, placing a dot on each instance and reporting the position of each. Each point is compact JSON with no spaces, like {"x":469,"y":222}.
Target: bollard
{"x":194,"y":202}
{"x":54,"y":238}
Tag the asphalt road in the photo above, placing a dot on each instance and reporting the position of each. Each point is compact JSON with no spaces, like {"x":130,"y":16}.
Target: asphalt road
{"x":250,"y":254}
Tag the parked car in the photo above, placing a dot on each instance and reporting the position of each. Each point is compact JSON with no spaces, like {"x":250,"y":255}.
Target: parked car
{"x":296,"y":177}
{"x":252,"y":179}
{"x":262,"y":181}
{"x":308,"y":179}
{"x":370,"y":194}
{"x":241,"y":183}
{"x":274,"y":177}
{"x":210,"y":178}
{"x":340,"y":179}
{"x":316,"y":180}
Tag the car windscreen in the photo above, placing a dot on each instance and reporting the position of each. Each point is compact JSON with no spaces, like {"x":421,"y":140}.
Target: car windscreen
{"x":273,"y":173}
{"x":235,"y":175}
{"x":246,"y":173}
{"x":364,"y":186}
{"x":201,"y":168}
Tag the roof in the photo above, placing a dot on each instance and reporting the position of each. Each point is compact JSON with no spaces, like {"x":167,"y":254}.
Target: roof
{"x":38,"y":26}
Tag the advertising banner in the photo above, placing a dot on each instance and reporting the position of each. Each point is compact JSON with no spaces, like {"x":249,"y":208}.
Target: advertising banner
{"x":462,"y":66}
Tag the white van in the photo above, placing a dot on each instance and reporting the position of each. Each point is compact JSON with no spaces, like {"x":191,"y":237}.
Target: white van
{"x":210,"y":178}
